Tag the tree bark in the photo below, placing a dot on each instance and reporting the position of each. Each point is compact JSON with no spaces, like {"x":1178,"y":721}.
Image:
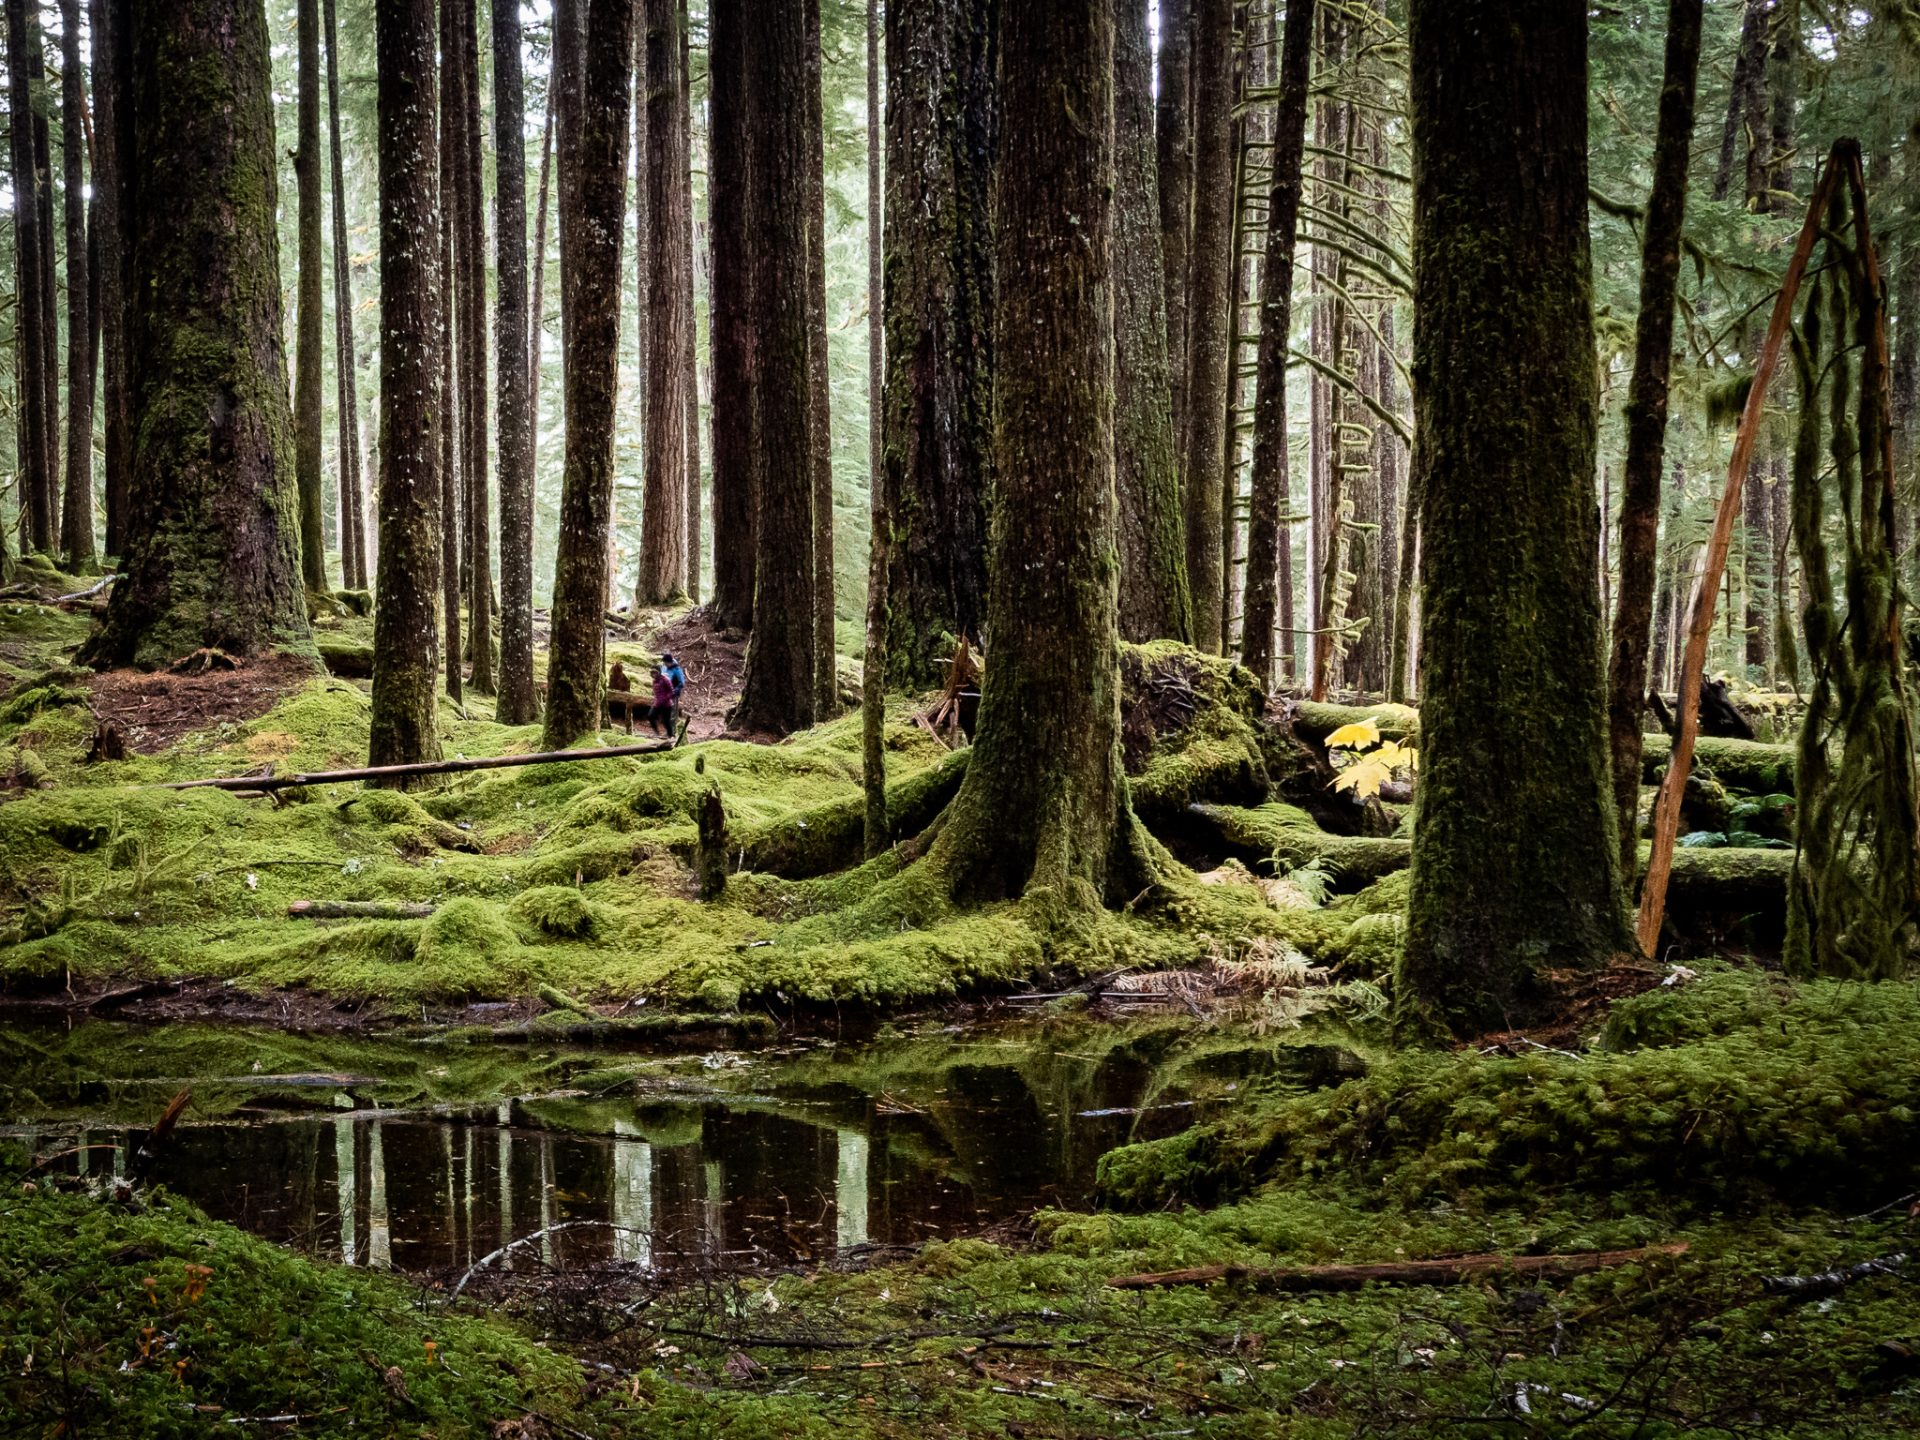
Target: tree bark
{"x":452,"y":398}
{"x":212,"y":557}
{"x":1208,"y":316}
{"x":819,"y":395}
{"x":1749,"y":79}
{"x":873,"y":670}
{"x":537,"y":327}
{"x":1515,"y":867}
{"x":477,"y":556}
{"x":1647,"y":419}
{"x":593,"y":168}
{"x":111,"y":112}
{"x":1173,"y":146}
{"x":515,"y":703}
{"x":76,"y":517}
{"x":1044,"y":804}
{"x":691,"y":351}
{"x":663,"y":521}
{"x":1271,"y":483}
{"x":49,"y":284}
{"x":936,"y":407}
{"x":412,"y":402}
{"x":307,"y":360}
{"x":734,"y":343}
{"x":1154,"y":602}
{"x":353,"y":516}
{"x":781,"y":688}
{"x":36,"y":486}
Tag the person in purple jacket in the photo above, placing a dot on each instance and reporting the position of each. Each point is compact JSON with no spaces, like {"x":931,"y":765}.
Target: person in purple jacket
{"x":660,"y":717}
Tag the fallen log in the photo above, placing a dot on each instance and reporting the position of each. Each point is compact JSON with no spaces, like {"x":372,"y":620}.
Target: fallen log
{"x":1750,"y":766}
{"x":1458,"y":1270}
{"x":357,"y":910}
{"x":422,"y":767}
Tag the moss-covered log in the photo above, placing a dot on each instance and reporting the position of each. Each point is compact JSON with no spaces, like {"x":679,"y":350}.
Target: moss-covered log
{"x":832,"y":837}
{"x":1315,"y":721}
{"x":1744,"y":765}
{"x":212,"y":541}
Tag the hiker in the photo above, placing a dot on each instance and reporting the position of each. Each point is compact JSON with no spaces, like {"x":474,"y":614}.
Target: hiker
{"x":674,"y":673}
{"x":619,"y":710}
{"x":660,"y":717}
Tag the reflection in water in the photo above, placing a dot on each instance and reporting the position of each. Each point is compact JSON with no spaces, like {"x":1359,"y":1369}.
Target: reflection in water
{"x":343,"y":1168}
{"x":379,"y":1235}
{"x":850,"y":1190}
{"x":632,"y":1196}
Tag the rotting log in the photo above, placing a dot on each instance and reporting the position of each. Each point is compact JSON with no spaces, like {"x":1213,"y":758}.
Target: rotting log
{"x":402,"y":772}
{"x":1458,"y":1270}
{"x":357,"y":910}
{"x":1315,"y":720}
{"x":1749,"y":766}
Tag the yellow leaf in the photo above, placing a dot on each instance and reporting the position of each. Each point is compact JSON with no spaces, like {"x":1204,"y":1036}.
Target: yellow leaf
{"x":1355,"y":737}
{"x":1364,"y":778}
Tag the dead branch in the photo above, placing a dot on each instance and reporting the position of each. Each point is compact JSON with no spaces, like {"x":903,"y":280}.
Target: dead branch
{"x":423,"y":767}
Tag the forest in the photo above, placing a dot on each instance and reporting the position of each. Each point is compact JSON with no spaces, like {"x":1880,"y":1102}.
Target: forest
{"x":905,"y":718}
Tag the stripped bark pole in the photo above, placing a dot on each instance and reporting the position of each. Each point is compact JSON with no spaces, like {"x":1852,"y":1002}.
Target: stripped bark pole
{"x":1712,"y":570}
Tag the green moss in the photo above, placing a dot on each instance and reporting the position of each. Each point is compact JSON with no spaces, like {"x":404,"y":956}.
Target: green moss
{"x":558,"y":911}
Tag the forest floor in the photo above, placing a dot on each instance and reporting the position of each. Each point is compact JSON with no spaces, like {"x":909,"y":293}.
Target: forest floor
{"x":1768,"y":1126}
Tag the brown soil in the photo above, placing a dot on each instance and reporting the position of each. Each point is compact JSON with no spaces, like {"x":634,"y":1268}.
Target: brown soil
{"x":715,"y":662}
{"x":154,"y":710}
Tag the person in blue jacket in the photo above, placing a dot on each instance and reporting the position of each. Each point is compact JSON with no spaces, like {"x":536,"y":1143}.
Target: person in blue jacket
{"x":671,"y":668}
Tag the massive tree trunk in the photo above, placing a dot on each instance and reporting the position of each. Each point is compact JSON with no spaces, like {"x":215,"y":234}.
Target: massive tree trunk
{"x":819,"y":396}
{"x":1266,"y":534}
{"x":781,"y":688}
{"x":516,"y":703}
{"x":1515,"y":869}
{"x":690,"y":356}
{"x":1647,"y":419}
{"x":593,"y":167}
{"x":873,"y":685}
{"x":212,"y":554}
{"x":936,"y":408}
{"x":452,"y":400}
{"x":1154,"y":602}
{"x":663,"y":520}
{"x":76,"y":516}
{"x":731,"y":334}
{"x":308,"y":351}
{"x":1044,"y":803}
{"x":471,"y":236}
{"x":36,"y":483}
{"x":353,"y":515}
{"x":407,"y":582}
{"x":1208,"y":313}
{"x":1173,"y":147}
{"x":111,"y":113}
{"x":49,"y":284}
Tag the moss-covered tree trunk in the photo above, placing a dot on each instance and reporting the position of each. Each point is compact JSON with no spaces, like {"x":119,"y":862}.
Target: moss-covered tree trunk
{"x":111,"y":113}
{"x":690,"y":349}
{"x":826,"y":686}
{"x":663,"y":520}
{"x":1173,"y":152}
{"x":1266,"y":535}
{"x":407,"y":578}
{"x":452,"y":400}
{"x":1209,"y":314}
{"x":213,"y":538}
{"x":36,"y":478}
{"x":76,"y":510}
{"x":1154,"y":603}
{"x":49,"y":287}
{"x":873,"y":686}
{"x":353,"y":515}
{"x":594,"y":173}
{"x":936,"y":412}
{"x":1044,"y":803}
{"x":1515,"y":869}
{"x":1647,"y":419}
{"x":780,"y":691}
{"x":731,"y":332}
{"x":307,"y":346}
{"x":515,"y":703}
{"x":476,"y":497}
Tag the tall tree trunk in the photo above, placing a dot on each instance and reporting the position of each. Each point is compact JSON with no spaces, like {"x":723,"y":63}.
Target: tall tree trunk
{"x":411,"y":290}
{"x":593,"y":169}
{"x":826,"y":683}
{"x":690,"y":358}
{"x":353,"y":529}
{"x":734,"y":345}
{"x":1208,"y":312}
{"x":76,"y":517}
{"x":110,"y":117}
{"x":1265,"y":533}
{"x":1647,"y":419}
{"x":477,"y":555}
{"x":516,"y":703}
{"x":36,"y":481}
{"x":537,"y":319}
{"x":1044,"y":803}
{"x":307,"y":359}
{"x":936,"y":408}
{"x":663,"y":521}
{"x":49,"y":285}
{"x":873,"y":670}
{"x":1173,"y":148}
{"x":1154,"y":602}
{"x":452,"y":399}
{"x":1515,"y":866}
{"x":781,"y":688}
{"x":1749,"y":83}
{"x":212,"y":556}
